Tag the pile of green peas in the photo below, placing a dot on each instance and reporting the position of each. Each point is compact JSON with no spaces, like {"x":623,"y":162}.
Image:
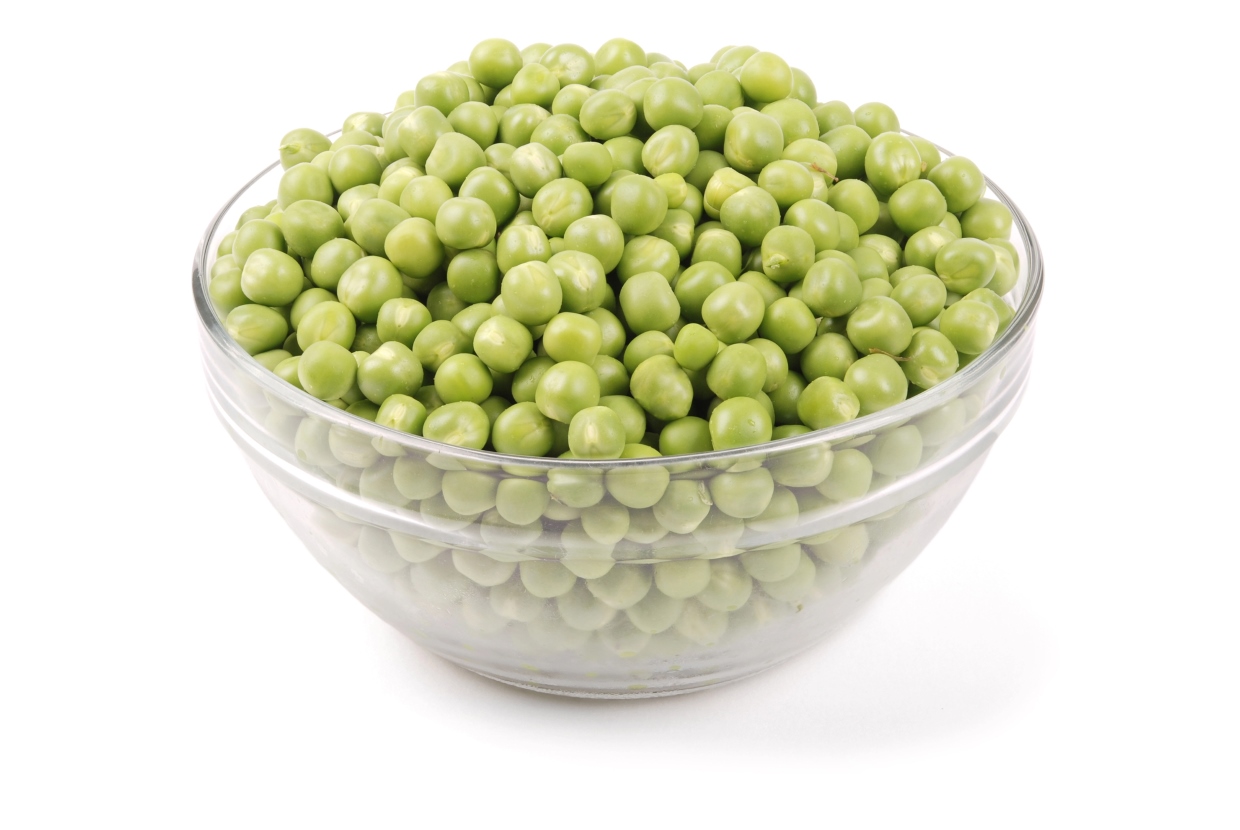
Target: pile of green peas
{"x":552,"y":252}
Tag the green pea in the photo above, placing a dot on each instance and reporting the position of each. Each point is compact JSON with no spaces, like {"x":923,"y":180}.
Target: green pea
{"x":391,"y":370}
{"x":461,"y":424}
{"x":677,"y":230}
{"x":598,"y":236}
{"x":366,"y":285}
{"x":851,"y":474}
{"x":419,"y":131}
{"x":495,"y":62}
{"x":787,"y":254}
{"x":987,"y":219}
{"x":738,"y":370}
{"x":596,"y":432}
{"x":559,"y":132}
{"x":371,"y":222}
{"x":965,"y":264}
{"x":784,"y":399}
{"x":353,"y":198}
{"x":850,"y":144}
{"x":833,"y":114}
{"x":789,"y":323}
{"x":306,"y":182}
{"x":986,"y":296}
{"x":570,"y":336}
{"x":442,"y":90}
{"x":366,"y":340}
{"x":776,"y":364}
{"x":743,"y":495}
{"x":522,"y":429}
{"x":788,"y":181}
{"x":733,"y":312}
{"x":331,"y":321}
{"x":880,"y":323}
{"x":695,"y":347}
{"x":869,"y":263}
{"x":685,"y":435}
{"x":256,"y":235}
{"x":608,"y":114}
{"x":565,"y":389}
{"x":752,"y":141}
{"x":739,"y":422}
{"x":672,"y":149}
{"x":531,"y":293}
{"x":662,"y":387}
{"x":256,"y":328}
{"x":301,"y":145}
{"x":560,"y":203}
{"x":520,"y":244}
{"x":896,"y":453}
{"x":648,"y":302}
{"x":750,"y":214}
{"x":922,"y":248}
{"x":438,"y":341}
{"x":638,"y":204}
{"x":414,"y":247}
{"x":971,"y":326}
{"x":960,"y":182}
{"x":465,"y":222}
{"x":877,"y":381}
{"x":271,"y":277}
{"x":403,"y":413}
{"x":672,"y":101}
{"x":307,"y":225}
{"x":857,"y":199}
{"x":827,"y":401}
{"x":588,"y":163}
{"x":922,"y":297}
{"x":326,"y":370}
{"x":525,"y":380}
{"x":876,"y":118}
{"x":442,"y":303}
{"x":766,"y":77}
{"x":929,"y":359}
{"x":473,"y":276}
{"x":916,"y":205}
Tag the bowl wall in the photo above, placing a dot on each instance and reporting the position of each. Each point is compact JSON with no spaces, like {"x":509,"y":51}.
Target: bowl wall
{"x":636,"y":578}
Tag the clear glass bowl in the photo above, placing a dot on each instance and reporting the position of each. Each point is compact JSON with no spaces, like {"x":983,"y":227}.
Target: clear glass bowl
{"x":641,"y":577}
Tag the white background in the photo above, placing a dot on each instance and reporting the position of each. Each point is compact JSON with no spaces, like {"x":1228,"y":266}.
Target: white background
{"x":1063,"y":654}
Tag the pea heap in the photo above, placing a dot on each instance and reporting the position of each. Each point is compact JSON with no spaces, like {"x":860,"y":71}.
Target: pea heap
{"x":549,"y":252}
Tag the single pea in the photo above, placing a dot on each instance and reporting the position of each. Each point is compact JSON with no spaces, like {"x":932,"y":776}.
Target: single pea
{"x":463,"y":377}
{"x":923,"y":246}
{"x":256,"y":235}
{"x":438,"y":341}
{"x":742,"y":495}
{"x":662,"y":388}
{"x":881,"y":324}
{"x":851,"y":474}
{"x":422,"y":197}
{"x":419,"y":130}
{"x":738,"y":370}
{"x":301,"y":145}
{"x":831,"y":288}
{"x":531,"y":293}
{"x":371,"y":222}
{"x":442,"y":303}
{"x":750,"y":214}
{"x":857,"y":199}
{"x":465,"y":222}
{"x":473,"y":275}
{"x":789,"y":323}
{"x":395,"y":177}
{"x":631,"y":415}
{"x":403,"y":413}
{"x":784,"y":398}
{"x":876,"y":118}
{"x":788,"y":181}
{"x":695,"y":347}
{"x":307,"y":225}
{"x":971,"y":326}
{"x":454,"y":157}
{"x":709,"y":162}
{"x":875,"y":287}
{"x":986,"y":296}
{"x":598,"y":236}
{"x":366,"y":285}
{"x":461,"y":424}
{"x":414,"y":247}
{"x":685,"y":435}
{"x":922,"y":297}
{"x":733,"y":312}
{"x":878,"y":382}
{"x":929,"y":359}
{"x":827,"y":401}
{"x":518,"y":122}
{"x":648,"y":303}
{"x":366,"y":340}
{"x":475,"y":120}
{"x":833,"y":114}
{"x":908,"y":272}
{"x":723,"y":183}
{"x":400,"y":319}
{"x":560,"y":203}
{"x":638,"y":204}
{"x":677,"y":230}
{"x":531,"y":167}
{"x":391,"y":370}
{"x":672,"y":149}
{"x":849,"y":233}
{"x":850,"y":144}
{"x":617,"y":54}
{"x":534,"y":84}
{"x":672,"y":101}
{"x":352,"y":166}
{"x":305,"y":182}
{"x":776,"y":364}
{"x":256,"y":328}
{"x":752,"y":141}
{"x":495,"y":62}
{"x":442,"y":90}
{"x":787,"y":254}
{"x":519,"y":244}
{"x":225,"y":290}
{"x":326,"y":370}
{"x":739,"y":422}
{"x":960,"y":182}
{"x":570,"y":336}
{"x":558,"y":133}
{"x":569,"y":99}
{"x":987,"y":219}
{"x":965,"y":264}
{"x":565,"y":389}
{"x":646,"y":345}
{"x":471,"y":317}
{"x":732,"y":58}
{"x":613,"y":378}
{"x":608,"y":114}
{"x":596,"y":432}
{"x":331,"y":321}
{"x":588,"y":163}
{"x":917,"y":205}
{"x":353,"y":198}
{"x":306,"y":301}
{"x":272,"y":278}
{"x":766,"y":77}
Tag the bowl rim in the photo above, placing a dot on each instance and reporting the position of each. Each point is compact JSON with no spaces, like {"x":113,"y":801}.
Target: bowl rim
{"x":1020,"y":327}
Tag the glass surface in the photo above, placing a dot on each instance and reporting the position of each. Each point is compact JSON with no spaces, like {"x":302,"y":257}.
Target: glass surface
{"x":638,"y":577}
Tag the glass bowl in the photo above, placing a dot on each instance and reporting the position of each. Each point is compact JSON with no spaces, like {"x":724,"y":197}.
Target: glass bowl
{"x":628,"y":578}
